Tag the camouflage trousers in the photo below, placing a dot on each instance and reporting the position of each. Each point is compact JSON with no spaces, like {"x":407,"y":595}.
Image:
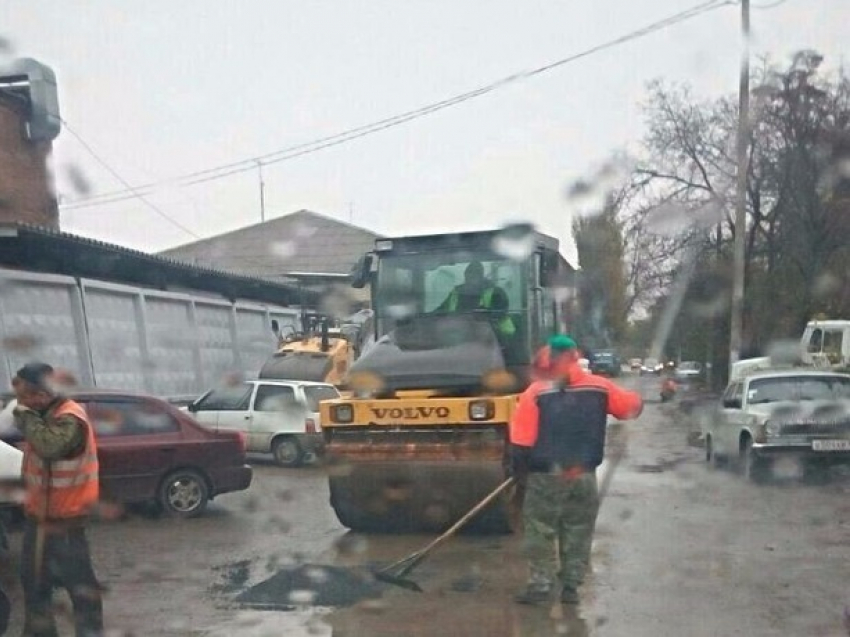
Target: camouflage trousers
{"x":559,"y":515}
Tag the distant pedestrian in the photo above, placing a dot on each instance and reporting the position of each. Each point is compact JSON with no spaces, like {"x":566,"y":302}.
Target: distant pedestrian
{"x":557,"y":440}
{"x":60,"y":471}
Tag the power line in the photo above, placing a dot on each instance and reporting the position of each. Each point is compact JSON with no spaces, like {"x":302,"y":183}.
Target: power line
{"x":292,"y":152}
{"x":127,"y":184}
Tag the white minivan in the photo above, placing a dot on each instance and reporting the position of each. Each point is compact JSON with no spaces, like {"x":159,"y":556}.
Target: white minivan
{"x":280,"y":417}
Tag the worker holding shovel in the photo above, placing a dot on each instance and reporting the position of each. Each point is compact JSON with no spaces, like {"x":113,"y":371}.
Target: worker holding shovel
{"x":557,"y":440}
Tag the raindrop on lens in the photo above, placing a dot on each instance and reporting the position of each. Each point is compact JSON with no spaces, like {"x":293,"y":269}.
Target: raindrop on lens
{"x":317,"y":575}
{"x":302,"y":597}
{"x":401,"y":310}
{"x":79,"y":182}
{"x":515,"y":242}
{"x":284,"y":249}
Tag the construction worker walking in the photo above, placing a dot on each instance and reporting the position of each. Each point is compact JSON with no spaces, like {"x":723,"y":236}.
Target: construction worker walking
{"x":60,"y":471}
{"x":557,"y":440}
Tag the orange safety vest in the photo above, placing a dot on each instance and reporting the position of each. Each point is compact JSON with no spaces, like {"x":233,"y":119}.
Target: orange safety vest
{"x":62,"y":489}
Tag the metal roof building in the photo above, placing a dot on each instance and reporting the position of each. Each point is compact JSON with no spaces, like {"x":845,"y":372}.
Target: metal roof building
{"x":39,"y":249}
{"x":302,"y":245}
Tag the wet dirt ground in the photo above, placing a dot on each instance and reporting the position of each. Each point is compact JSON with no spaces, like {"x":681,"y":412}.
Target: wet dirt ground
{"x":679,"y":550}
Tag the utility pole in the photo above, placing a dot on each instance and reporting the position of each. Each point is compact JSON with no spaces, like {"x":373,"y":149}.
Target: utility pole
{"x":737,"y":319}
{"x":262,"y":191}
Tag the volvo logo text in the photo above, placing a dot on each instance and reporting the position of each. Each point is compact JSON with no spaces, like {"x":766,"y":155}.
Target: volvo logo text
{"x":412,"y":413}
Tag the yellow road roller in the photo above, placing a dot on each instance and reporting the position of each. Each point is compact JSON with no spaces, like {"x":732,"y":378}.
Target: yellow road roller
{"x":422,"y":435}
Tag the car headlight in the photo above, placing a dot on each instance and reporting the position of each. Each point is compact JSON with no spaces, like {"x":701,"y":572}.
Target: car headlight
{"x":342,"y":413}
{"x":772,"y":428}
{"x":481,"y":410}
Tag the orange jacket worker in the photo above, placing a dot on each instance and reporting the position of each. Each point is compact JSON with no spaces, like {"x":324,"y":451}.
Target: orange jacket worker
{"x":557,"y":437}
{"x":60,"y":472}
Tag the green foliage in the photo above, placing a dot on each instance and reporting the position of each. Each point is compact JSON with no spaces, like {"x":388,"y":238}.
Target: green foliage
{"x":602,"y":288}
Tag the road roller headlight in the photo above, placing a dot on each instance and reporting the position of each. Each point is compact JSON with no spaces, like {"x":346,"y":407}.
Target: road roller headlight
{"x":342,"y":413}
{"x":365,"y":384}
{"x":481,"y":410}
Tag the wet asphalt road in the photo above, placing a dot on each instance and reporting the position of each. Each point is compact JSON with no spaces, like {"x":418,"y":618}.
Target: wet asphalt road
{"x":680,"y":550}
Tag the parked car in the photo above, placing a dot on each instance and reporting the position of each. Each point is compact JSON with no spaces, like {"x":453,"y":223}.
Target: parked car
{"x":11,"y":484}
{"x":635,"y":364}
{"x":768,"y":416}
{"x":150,"y":451}
{"x":688,"y":372}
{"x":278,"y":416}
{"x":606,"y":362}
{"x":651,"y":366}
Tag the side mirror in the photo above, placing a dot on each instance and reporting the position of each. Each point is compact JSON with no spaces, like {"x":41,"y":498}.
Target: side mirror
{"x":732,"y":403}
{"x":276,"y":328}
{"x":362,"y":271}
{"x":193,"y":408}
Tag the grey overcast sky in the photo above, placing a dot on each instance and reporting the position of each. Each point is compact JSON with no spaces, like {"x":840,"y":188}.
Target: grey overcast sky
{"x":161,"y":88}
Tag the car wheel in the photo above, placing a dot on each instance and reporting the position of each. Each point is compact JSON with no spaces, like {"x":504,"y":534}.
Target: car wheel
{"x":753,"y":468}
{"x":184,"y":494}
{"x":287,"y":452}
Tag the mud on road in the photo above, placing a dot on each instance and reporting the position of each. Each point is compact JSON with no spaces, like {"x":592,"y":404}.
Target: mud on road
{"x":679,"y":550}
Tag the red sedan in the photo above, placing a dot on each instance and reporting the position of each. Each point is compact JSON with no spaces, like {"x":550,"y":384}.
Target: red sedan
{"x":151,"y":451}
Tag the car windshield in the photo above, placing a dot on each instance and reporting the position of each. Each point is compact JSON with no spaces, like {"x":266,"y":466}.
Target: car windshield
{"x":445,"y":281}
{"x":317,"y":393}
{"x":795,"y":388}
{"x":333,"y":271}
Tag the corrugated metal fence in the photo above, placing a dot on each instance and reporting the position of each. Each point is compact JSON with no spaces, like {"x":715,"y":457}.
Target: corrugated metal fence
{"x":122,"y":337}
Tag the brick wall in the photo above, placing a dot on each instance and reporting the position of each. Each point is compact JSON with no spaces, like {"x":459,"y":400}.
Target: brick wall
{"x":25,"y":191}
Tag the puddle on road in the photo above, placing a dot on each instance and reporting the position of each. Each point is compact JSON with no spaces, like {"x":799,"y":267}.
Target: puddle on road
{"x":311,"y":585}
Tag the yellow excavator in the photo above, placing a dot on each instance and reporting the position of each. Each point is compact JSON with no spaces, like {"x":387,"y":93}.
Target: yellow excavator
{"x":322,"y":352}
{"x":422,"y":436}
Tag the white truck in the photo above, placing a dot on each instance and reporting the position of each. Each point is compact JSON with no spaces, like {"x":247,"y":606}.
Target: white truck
{"x":826,"y":343}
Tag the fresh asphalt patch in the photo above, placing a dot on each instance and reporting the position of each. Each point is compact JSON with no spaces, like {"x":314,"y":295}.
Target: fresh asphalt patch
{"x":311,"y":585}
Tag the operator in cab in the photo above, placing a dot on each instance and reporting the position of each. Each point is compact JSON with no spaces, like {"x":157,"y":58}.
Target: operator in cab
{"x":478,"y":293}
{"x":557,"y":437}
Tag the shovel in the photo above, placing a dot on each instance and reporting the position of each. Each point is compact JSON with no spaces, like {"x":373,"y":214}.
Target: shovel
{"x":395,"y":573}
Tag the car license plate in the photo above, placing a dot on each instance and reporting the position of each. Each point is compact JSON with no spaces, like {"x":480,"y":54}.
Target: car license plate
{"x":831,"y":445}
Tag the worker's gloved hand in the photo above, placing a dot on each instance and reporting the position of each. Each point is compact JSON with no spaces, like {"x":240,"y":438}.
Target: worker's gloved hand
{"x":518,"y":465}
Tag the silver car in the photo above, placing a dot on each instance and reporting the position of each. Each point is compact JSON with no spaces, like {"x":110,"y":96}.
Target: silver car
{"x":688,"y":371}
{"x":798,"y":417}
{"x":280,"y":417}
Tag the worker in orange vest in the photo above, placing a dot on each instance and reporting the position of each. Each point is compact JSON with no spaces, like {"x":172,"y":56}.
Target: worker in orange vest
{"x":557,"y":437}
{"x":60,"y":472}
